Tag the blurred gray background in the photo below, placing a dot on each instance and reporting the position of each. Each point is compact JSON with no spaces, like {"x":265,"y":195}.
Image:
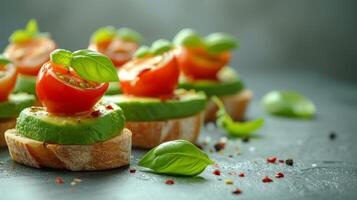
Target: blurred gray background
{"x":311,"y":35}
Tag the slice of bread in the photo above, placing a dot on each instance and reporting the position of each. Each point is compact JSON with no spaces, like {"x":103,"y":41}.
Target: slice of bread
{"x":109,"y":154}
{"x":5,"y":125}
{"x":152,"y":133}
{"x":235,"y":105}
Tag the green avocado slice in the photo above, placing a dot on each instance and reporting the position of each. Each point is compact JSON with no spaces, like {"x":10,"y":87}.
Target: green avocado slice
{"x":228,"y":83}
{"x":186,"y":104}
{"x":16,"y":103}
{"x":37,"y":124}
{"x":26,"y":84}
{"x":114,"y":88}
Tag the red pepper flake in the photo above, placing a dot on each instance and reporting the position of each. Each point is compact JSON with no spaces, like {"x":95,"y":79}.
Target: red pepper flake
{"x":271,"y":159}
{"x":169,"y":182}
{"x":59,"y":180}
{"x":219,"y":146}
{"x":237,"y":191}
{"x":132,"y":170}
{"x":267,"y":180}
{"x":279,"y":175}
{"x":95,"y":113}
{"x":109,"y":107}
{"x":281,"y":161}
{"x":217,"y":172}
{"x":241,"y":175}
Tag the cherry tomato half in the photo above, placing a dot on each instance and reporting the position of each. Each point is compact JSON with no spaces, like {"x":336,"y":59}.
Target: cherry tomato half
{"x":151,"y":76}
{"x":63,"y":92}
{"x":119,"y":51}
{"x":196,"y":63}
{"x":7,"y":80}
{"x":29,"y":56}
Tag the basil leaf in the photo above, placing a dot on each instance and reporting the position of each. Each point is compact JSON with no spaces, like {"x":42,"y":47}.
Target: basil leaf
{"x":129,"y":35}
{"x":178,"y":157}
{"x":288,"y":104}
{"x":188,"y":38}
{"x":142,"y":52}
{"x":161,"y":46}
{"x":32,"y":27}
{"x":220,"y":42}
{"x":235,"y":129}
{"x":20,"y":36}
{"x":4,"y":60}
{"x":93,"y":66}
{"x":103,"y":34}
{"x":61,"y":56}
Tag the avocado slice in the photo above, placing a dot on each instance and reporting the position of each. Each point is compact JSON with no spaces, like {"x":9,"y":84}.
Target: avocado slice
{"x":114,"y":88}
{"x":228,"y":83}
{"x":185,"y":103}
{"x":26,"y":84}
{"x":16,"y":103}
{"x":36,"y":123}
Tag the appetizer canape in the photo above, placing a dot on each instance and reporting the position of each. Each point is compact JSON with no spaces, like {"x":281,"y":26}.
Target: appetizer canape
{"x":73,"y":130}
{"x":203,"y":64}
{"x":28,"y":50}
{"x":154,"y":110}
{"x":119,"y":45}
{"x":10,"y":104}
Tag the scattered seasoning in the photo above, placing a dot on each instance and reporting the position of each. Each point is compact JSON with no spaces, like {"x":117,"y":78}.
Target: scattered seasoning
{"x":219,"y":146}
{"x":95,"y":113}
{"x":232,"y":173}
{"x":216,"y":172}
{"x":245,"y":139}
{"x":109,"y":107}
{"x":228,"y":182}
{"x":236,"y":191}
{"x":215,"y":165}
{"x":59,"y":180}
{"x":132,"y":170}
{"x":267,"y":180}
{"x":75,"y":181}
{"x":169,"y":182}
{"x":289,"y":162}
{"x":279,"y":175}
{"x":230,"y":156}
{"x":271,"y":159}
{"x":281,"y":161}
{"x":241,"y":175}
{"x":332,"y":135}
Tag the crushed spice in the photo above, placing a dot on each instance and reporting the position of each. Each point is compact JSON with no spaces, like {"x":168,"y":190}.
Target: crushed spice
{"x":169,"y":182}
{"x":59,"y":180}
{"x":267,"y":180}
{"x":289,"y":162}
{"x":217,"y":172}
{"x":279,"y":175}
{"x":236,"y":191}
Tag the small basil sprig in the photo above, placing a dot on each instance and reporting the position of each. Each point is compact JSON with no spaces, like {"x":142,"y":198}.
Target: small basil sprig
{"x":109,"y":32}
{"x":89,"y":65}
{"x":31,"y":31}
{"x":288,"y":104}
{"x":214,"y":43}
{"x":178,"y":157}
{"x":233,"y":128}
{"x":4,"y":60}
{"x":158,"y":47}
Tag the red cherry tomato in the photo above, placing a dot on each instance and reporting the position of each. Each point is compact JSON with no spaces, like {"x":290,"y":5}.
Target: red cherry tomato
{"x":29,"y":56}
{"x":63,"y":92}
{"x":152,"y":77}
{"x":196,"y":63}
{"x":119,"y":51}
{"x":7,"y":80}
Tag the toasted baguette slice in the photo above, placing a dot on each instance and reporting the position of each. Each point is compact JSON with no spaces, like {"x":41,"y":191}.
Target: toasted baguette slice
{"x":109,"y":154}
{"x":235,"y":105}
{"x":5,"y":125}
{"x":152,"y":133}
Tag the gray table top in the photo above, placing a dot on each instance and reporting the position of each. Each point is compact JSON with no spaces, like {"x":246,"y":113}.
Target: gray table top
{"x":323,"y":168}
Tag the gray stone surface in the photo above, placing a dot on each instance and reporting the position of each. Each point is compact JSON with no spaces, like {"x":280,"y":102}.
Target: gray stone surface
{"x":323,"y":168}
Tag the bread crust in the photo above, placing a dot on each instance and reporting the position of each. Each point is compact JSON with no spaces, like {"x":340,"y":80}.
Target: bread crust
{"x":109,"y":154}
{"x":236,"y":105}
{"x":152,"y":133}
{"x":5,"y":125}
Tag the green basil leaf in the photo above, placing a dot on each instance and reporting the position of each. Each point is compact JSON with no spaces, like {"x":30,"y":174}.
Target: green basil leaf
{"x":220,"y":42}
{"x":188,"y":38}
{"x":103,"y":34}
{"x":93,"y":66}
{"x":129,"y":35}
{"x":61,"y":56}
{"x":235,"y":129}
{"x":142,"y":52}
{"x":178,"y":157}
{"x":4,"y":60}
{"x":20,"y":36}
{"x":161,"y":46}
{"x":288,"y":104}
{"x":32,"y":27}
